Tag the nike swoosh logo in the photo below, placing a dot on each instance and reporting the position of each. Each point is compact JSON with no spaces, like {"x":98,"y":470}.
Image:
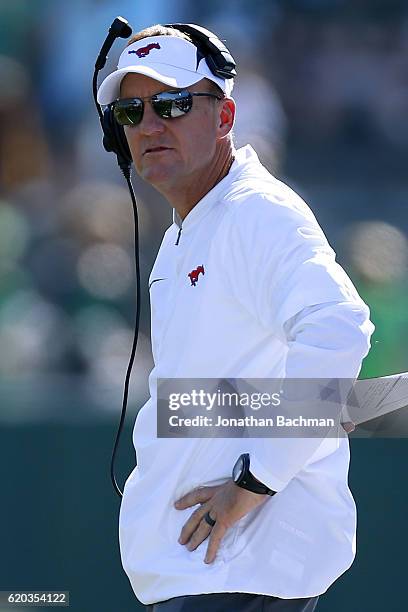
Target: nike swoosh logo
{"x":156,"y":280}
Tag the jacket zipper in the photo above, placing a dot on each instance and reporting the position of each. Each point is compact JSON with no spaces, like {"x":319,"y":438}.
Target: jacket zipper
{"x":178,"y":236}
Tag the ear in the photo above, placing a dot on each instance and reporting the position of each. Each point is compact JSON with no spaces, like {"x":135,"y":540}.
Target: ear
{"x":226,"y":117}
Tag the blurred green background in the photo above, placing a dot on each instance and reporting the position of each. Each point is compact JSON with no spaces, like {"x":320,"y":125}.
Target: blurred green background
{"x":322,"y":95}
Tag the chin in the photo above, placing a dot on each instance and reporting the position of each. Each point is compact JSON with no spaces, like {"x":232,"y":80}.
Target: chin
{"x":158,"y":174}
{"x":157,"y":179}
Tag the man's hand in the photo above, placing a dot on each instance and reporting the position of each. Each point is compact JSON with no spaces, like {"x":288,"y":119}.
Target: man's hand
{"x":226,"y":503}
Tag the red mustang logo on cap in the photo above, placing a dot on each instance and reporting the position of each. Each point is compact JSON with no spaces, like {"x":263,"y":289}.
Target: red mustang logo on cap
{"x":143,"y":51}
{"x":193,"y":276}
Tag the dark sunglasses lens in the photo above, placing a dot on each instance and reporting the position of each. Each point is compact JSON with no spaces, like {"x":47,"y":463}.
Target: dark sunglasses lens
{"x":128,"y":112}
{"x":171,"y":104}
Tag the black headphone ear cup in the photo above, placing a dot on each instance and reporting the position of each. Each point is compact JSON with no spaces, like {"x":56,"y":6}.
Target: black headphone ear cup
{"x":114,"y":139}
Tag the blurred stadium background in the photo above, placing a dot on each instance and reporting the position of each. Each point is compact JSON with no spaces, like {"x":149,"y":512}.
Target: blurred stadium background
{"x":322,"y":95}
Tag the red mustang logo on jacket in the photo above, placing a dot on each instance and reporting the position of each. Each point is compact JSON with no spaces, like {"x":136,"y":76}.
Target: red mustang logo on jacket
{"x":193,"y":276}
{"x":143,"y":51}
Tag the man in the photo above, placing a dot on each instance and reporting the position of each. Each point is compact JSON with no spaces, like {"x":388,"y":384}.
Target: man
{"x":245,"y":285}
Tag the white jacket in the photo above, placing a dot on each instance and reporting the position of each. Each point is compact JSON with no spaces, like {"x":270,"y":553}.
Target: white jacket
{"x":272,"y":302}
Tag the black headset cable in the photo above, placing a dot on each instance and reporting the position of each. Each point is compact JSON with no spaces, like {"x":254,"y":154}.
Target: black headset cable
{"x":136,"y":331}
{"x":121,"y":29}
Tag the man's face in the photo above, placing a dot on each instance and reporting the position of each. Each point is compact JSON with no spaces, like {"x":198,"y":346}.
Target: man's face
{"x":171,"y":152}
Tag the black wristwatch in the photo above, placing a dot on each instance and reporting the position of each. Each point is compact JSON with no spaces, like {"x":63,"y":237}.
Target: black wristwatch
{"x":244,"y":479}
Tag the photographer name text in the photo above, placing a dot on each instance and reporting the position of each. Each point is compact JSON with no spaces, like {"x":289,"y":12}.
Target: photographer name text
{"x":249,"y":421}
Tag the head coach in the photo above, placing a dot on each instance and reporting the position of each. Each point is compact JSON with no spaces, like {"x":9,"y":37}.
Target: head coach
{"x":245,"y":285}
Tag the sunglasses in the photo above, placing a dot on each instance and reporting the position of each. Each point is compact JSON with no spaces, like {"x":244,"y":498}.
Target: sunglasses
{"x":167,"y":105}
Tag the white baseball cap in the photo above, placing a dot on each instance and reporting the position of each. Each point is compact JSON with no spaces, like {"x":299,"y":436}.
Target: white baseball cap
{"x":171,"y":60}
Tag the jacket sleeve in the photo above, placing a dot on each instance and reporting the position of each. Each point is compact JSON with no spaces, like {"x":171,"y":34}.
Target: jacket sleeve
{"x":285,"y":273}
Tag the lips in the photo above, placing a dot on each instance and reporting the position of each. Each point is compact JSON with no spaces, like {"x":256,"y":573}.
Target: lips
{"x":156,"y":150}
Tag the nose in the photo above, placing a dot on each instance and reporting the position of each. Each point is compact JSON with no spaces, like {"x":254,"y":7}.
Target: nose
{"x":151,"y":123}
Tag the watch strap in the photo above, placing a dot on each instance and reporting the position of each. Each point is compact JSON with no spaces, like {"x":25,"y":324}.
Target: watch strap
{"x":249,"y":482}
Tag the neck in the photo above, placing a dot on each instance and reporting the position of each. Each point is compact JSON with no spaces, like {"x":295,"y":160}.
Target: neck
{"x":186,"y":196}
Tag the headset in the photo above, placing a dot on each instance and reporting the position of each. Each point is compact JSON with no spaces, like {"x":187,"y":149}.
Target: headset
{"x":222,"y":64}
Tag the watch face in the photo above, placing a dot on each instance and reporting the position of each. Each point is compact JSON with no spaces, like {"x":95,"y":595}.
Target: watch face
{"x":238,"y":468}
